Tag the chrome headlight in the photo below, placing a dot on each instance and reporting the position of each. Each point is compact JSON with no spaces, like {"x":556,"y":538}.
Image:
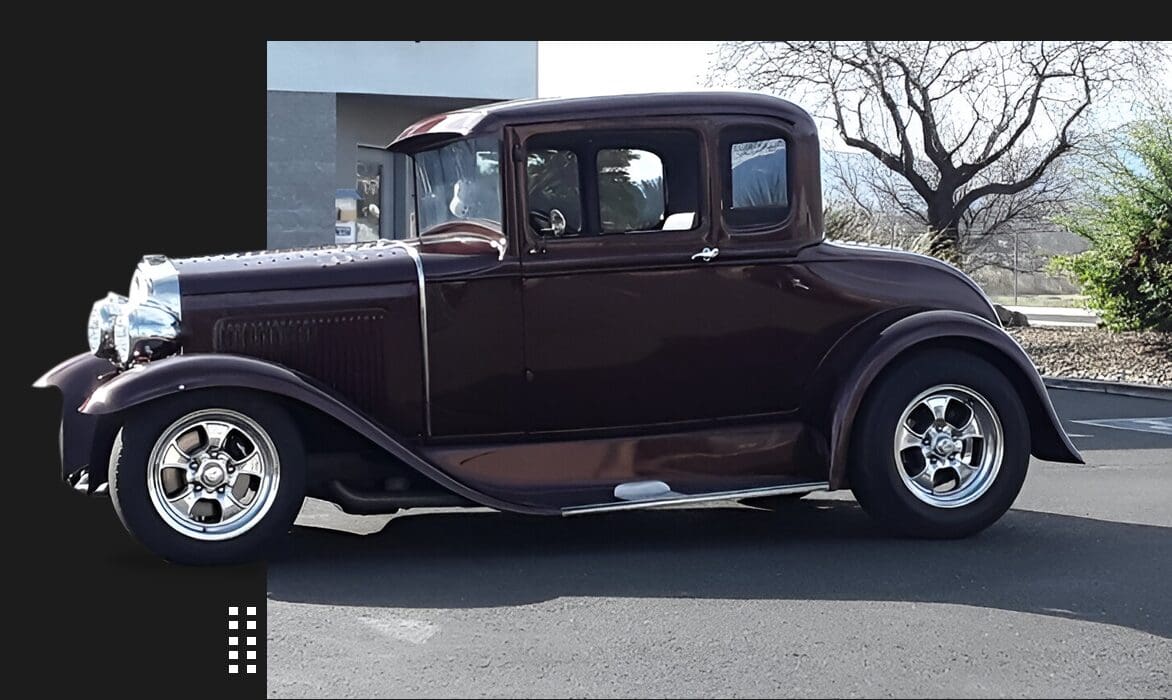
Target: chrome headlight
{"x":144,"y":331}
{"x":158,"y":280}
{"x":144,"y":325}
{"x":100,"y":328}
{"x":121,"y":334}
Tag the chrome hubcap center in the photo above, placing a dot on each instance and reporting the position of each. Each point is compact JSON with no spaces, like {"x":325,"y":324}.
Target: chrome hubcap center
{"x":944,"y":446}
{"x":212,"y":474}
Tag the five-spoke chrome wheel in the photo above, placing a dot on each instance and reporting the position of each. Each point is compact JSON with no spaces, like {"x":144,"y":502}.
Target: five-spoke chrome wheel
{"x":948,"y":446}
{"x":213,"y":474}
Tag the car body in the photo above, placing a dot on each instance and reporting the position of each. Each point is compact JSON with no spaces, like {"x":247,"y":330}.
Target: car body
{"x":612,"y":303}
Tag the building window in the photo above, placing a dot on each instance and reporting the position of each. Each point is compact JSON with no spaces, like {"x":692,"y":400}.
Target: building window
{"x":370,"y":174}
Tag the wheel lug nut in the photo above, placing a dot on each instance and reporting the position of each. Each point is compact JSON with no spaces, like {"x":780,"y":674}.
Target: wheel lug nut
{"x":200,"y":488}
{"x":231,"y":469}
{"x":221,"y":489}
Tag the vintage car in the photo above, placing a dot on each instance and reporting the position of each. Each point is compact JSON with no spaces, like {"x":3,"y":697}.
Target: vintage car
{"x":605,"y":304}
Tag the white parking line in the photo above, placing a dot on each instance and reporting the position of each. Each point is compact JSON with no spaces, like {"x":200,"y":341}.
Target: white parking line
{"x":1161,"y":425}
{"x":407,"y":630}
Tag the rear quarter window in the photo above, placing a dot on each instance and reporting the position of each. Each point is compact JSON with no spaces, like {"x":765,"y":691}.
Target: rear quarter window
{"x":756,"y":180}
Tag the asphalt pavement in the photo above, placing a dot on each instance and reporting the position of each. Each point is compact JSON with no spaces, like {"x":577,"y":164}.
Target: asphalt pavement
{"x":1067,"y":595}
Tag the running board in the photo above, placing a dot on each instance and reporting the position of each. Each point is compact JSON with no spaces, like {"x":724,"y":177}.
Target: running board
{"x":674,"y":499}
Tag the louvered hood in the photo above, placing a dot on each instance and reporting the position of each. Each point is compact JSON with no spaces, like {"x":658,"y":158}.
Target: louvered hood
{"x":378,"y":262}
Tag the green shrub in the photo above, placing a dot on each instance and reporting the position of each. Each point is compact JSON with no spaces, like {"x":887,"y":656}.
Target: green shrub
{"x":1127,"y":272}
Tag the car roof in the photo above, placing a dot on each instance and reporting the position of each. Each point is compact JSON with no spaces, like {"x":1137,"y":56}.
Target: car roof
{"x":484,"y":119}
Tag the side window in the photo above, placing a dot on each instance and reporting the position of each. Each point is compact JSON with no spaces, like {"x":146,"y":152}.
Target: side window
{"x":756,"y":183}
{"x":595,"y":182}
{"x":631,"y":193}
{"x":552,"y":176}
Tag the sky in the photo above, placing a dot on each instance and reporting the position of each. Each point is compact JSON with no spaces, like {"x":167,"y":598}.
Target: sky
{"x":577,"y":68}
{"x":581,"y":68}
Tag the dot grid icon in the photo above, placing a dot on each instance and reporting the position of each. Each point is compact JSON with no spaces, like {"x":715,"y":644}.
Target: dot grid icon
{"x":235,"y":620}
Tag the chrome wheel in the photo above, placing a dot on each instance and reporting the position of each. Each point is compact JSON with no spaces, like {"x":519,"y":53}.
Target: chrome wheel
{"x":213,"y":474}
{"x":948,"y":446}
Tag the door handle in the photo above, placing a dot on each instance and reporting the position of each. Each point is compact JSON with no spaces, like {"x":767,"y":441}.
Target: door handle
{"x":707,"y":254}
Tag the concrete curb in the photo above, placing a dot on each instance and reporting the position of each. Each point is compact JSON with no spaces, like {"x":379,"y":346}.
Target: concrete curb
{"x":1145,"y":391}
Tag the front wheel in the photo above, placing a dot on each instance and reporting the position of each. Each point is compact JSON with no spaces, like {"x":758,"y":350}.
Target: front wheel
{"x":208,"y":477}
{"x":942,"y":447}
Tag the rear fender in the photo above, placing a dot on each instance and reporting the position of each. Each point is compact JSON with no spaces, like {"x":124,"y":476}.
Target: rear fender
{"x":848,"y":371}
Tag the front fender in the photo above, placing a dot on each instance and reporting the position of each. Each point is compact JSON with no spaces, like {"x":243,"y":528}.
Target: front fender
{"x":85,"y":439}
{"x":190,"y":372}
{"x":872,"y":345}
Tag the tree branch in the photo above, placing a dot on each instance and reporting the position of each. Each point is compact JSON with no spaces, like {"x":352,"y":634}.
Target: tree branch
{"x":1064,"y":144}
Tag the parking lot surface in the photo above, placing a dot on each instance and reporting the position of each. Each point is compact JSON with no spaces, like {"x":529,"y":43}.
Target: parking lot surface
{"x":1067,"y":595}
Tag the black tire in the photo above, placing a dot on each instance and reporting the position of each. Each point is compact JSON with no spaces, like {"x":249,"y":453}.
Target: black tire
{"x":875,"y":476}
{"x":144,"y":425}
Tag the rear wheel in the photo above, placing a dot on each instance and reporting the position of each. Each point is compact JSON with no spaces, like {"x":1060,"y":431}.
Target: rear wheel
{"x":208,"y":477}
{"x":942,"y":446}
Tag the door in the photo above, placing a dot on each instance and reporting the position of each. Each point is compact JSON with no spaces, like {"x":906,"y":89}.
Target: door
{"x":624,"y":313}
{"x":650,"y":296}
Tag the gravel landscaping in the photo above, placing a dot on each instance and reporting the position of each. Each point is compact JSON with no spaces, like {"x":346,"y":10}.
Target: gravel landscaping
{"x":1140,"y":357}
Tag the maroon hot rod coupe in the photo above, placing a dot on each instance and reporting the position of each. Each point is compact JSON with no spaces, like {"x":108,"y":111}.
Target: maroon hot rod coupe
{"x":608,"y":303}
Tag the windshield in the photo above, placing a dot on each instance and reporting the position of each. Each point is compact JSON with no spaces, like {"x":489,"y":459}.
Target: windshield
{"x":458,"y":181}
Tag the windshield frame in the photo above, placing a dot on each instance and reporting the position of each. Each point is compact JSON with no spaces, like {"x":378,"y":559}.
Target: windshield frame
{"x":480,"y":143}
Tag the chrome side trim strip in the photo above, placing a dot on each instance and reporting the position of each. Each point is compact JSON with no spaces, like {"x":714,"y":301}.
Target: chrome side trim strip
{"x":414,"y":255}
{"x":699,"y":498}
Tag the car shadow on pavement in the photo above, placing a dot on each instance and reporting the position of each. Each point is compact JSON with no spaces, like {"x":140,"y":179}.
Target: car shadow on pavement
{"x":1059,"y":565}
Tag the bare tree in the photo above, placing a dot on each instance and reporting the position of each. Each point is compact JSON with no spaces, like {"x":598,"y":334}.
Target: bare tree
{"x":957,"y":130}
